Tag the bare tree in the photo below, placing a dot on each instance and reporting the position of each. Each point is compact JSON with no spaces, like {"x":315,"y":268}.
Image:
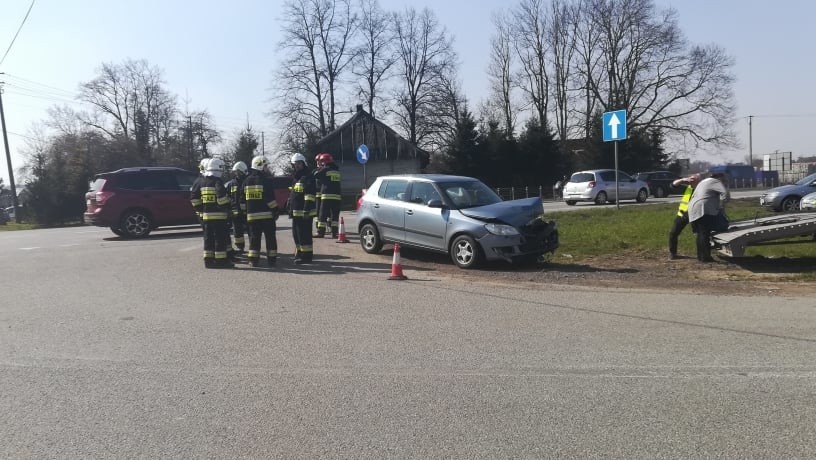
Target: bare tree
{"x":587,"y":63}
{"x":299,"y":82}
{"x":562,"y":37}
{"x":127,"y":98}
{"x":426,"y":55}
{"x":375,"y":56}
{"x":337,"y":24}
{"x":531,"y":44}
{"x":652,"y":72}
{"x":316,"y":41}
{"x":500,"y":72}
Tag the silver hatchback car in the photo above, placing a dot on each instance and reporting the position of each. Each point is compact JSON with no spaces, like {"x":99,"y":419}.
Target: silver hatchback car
{"x":455,"y":215}
{"x":598,"y":186}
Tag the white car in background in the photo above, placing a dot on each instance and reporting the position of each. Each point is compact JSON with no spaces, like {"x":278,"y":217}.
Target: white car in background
{"x":808,"y":202}
{"x":598,"y":186}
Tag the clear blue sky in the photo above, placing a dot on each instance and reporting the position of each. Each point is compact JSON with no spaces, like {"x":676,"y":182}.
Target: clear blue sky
{"x":220,"y":56}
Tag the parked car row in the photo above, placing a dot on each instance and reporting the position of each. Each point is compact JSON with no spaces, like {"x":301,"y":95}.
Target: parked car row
{"x":789,"y":197}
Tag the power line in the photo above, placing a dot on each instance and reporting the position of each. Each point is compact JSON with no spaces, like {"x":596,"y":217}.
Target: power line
{"x":18,"y":32}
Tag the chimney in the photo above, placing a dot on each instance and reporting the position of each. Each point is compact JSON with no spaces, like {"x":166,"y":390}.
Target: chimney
{"x":359,"y":108}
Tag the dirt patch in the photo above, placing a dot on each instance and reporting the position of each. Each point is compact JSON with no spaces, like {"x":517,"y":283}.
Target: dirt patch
{"x":744,"y":276}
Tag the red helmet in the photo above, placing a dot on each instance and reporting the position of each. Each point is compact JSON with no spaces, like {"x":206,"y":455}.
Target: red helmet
{"x":325,"y":158}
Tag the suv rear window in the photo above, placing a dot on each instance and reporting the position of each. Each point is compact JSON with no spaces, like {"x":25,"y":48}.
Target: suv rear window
{"x":96,"y":184}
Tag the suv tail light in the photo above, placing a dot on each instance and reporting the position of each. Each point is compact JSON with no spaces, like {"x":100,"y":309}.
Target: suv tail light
{"x":102,"y":197}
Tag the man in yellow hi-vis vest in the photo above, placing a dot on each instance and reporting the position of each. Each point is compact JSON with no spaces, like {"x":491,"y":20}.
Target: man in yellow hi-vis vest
{"x":681,"y":219}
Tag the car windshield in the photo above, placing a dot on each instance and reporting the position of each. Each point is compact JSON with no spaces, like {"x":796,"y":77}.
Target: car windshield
{"x":806,"y":180}
{"x":469,"y":194}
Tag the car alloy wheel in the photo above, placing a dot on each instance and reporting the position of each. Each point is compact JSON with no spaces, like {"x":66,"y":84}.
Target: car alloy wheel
{"x":642,"y":195}
{"x":790,"y":204}
{"x":135,"y":224}
{"x":370,"y":239}
{"x":600,"y":198}
{"x":465,"y":252}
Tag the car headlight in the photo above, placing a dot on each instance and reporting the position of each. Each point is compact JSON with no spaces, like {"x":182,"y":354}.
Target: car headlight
{"x":808,"y":200}
{"x":501,"y":229}
{"x":771,"y":195}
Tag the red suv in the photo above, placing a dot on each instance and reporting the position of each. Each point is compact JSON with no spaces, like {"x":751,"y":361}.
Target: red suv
{"x":134,"y":201}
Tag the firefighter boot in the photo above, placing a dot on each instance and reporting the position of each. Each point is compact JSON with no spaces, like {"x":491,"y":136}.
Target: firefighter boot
{"x":209,"y":262}
{"x":305,"y":258}
{"x":254,"y":261}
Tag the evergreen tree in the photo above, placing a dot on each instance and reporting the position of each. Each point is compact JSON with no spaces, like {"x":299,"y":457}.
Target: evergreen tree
{"x":543,"y":162}
{"x":464,"y":153}
{"x":244,"y":147}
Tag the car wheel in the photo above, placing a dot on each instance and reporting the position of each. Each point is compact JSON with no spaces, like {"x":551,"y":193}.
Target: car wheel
{"x":600,"y":198}
{"x":790,"y":204}
{"x":642,"y":195}
{"x":118,"y":231}
{"x":465,"y":252}
{"x":659,"y":192}
{"x":135,"y":223}
{"x":370,"y":239}
{"x":570,"y":203}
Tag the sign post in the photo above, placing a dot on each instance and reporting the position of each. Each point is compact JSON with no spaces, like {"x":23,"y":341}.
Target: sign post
{"x":362,"y":158}
{"x":614,"y":130}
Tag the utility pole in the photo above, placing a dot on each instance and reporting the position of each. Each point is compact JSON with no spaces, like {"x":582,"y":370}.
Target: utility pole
{"x":8,"y":157}
{"x":263,"y":150}
{"x":750,"y":141}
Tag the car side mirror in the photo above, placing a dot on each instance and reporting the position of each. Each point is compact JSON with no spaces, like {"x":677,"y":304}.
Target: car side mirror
{"x":436,"y":203}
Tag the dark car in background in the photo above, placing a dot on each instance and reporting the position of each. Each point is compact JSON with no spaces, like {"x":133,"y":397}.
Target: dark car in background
{"x":660,"y":183}
{"x":455,"y":215}
{"x":134,"y":201}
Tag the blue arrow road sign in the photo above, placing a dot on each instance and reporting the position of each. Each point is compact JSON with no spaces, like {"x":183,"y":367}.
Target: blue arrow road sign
{"x":362,"y":154}
{"x":614,"y":125}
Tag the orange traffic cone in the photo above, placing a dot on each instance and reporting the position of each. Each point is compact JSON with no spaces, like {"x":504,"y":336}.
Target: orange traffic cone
{"x":396,"y":267}
{"x":341,"y":236}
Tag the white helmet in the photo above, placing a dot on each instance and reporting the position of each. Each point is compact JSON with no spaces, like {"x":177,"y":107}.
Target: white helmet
{"x":298,"y":157}
{"x":240,"y":167}
{"x":215,"y":167}
{"x":202,"y":165}
{"x":259,"y":162}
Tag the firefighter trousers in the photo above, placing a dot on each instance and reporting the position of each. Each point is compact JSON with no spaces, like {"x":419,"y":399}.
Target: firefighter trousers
{"x":329,"y":217}
{"x":266,"y":228}
{"x":302,"y":236}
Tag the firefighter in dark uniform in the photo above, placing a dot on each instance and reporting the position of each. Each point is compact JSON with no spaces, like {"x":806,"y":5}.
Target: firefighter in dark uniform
{"x":317,"y":192}
{"x":235,"y":189}
{"x":261,"y":213}
{"x":209,"y":198}
{"x":328,"y":180}
{"x":302,"y":209}
{"x":202,"y":168}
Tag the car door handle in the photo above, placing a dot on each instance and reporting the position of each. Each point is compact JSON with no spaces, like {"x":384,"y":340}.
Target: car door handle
{"x":376,"y":205}
{"x":408,"y":211}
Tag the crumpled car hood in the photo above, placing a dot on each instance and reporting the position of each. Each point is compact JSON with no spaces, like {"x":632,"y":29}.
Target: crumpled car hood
{"x":514,"y":212}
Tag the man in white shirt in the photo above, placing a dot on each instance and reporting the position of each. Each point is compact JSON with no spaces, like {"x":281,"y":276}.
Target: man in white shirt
{"x":706,"y":202}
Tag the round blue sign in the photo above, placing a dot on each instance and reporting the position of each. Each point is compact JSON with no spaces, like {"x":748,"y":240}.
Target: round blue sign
{"x":362,"y":154}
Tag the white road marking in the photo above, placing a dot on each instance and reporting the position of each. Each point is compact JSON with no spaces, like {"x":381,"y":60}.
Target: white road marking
{"x":30,"y":249}
{"x":68,"y":245}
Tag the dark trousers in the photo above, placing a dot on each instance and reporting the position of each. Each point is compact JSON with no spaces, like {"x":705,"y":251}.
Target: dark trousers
{"x":703,"y":227}
{"x":680,"y":223}
{"x":239,"y":227}
{"x":258,"y":228}
{"x":329,"y":213}
{"x":302,"y":236}
{"x":215,"y":239}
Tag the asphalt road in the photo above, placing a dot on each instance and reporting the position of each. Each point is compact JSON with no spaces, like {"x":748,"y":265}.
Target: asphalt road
{"x":117,"y":348}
